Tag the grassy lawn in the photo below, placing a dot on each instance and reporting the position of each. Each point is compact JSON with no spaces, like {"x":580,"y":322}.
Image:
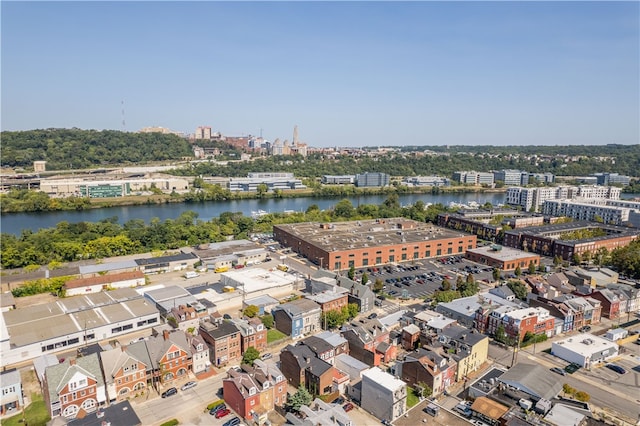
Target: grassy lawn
{"x":36,"y":414}
{"x":412,"y":397}
{"x":273,"y":335}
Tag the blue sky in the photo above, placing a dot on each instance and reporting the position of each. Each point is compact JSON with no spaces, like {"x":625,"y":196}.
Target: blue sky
{"x":347,"y":73}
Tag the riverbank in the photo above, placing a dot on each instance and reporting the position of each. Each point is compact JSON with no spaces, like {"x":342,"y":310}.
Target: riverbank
{"x":53,"y":205}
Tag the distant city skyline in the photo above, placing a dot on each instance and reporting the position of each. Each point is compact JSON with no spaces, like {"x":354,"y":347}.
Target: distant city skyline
{"x":346,"y":73}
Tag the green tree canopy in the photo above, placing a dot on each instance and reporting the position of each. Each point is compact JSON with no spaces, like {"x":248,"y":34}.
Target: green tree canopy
{"x":300,"y":398}
{"x":250,"y":355}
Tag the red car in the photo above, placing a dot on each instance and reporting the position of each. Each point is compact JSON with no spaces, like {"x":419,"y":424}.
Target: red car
{"x":348,"y":406}
{"x":221,"y":413}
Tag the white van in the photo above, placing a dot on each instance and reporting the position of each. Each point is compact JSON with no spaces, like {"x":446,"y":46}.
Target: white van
{"x":191,"y":275}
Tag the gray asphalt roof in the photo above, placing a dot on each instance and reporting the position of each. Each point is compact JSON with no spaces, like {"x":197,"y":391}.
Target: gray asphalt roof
{"x":533,"y":379}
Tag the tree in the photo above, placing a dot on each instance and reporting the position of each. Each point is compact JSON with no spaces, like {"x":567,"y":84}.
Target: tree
{"x":423,"y":389}
{"x":377,"y":285}
{"x":576,"y":258}
{"x":496,"y":274}
{"x":446,"y":285}
{"x":298,"y":399}
{"x":352,"y":310}
{"x":262,"y":190}
{"x":501,"y":334}
{"x":251,"y":311}
{"x":557,"y":260}
{"x":518,"y":271}
{"x":459,"y":282}
{"x":344,"y":209}
{"x":446,"y":296}
{"x":267,"y":320}
{"x":334,"y":319}
{"x":532,"y":268}
{"x":518,"y":288}
{"x":250,"y":355}
{"x":365,"y":278}
{"x":352,"y":273}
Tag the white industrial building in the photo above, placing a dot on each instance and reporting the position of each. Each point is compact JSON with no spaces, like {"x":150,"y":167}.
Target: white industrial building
{"x":29,"y":332}
{"x":254,"y":282}
{"x":383,"y":395}
{"x":585,"y":349}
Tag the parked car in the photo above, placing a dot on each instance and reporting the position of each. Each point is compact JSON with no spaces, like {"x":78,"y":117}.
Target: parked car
{"x":372,"y":315}
{"x":169,"y":392}
{"x":339,"y":400}
{"x":221,"y":413}
{"x":560,"y":371}
{"x":265,"y":356}
{"x":348,"y":407}
{"x":217,"y":408}
{"x":188,"y":385}
{"x":464,"y":408}
{"x":585,"y":329}
{"x":233,"y":422}
{"x":616,"y":368}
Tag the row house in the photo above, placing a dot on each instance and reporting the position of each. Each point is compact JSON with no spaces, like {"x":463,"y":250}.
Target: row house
{"x":631,"y":294}
{"x":563,"y":312}
{"x":587,"y":309}
{"x":429,"y":367}
{"x":360,"y":294}
{"x":253,"y":392}
{"x":327,"y":345}
{"x":369,"y":342}
{"x":253,"y":334}
{"x":468,"y":348}
{"x":383,"y":395}
{"x":125,"y":375}
{"x":302,"y":367}
{"x":331,"y":300}
{"x":224,"y":340}
{"x":200,"y":360}
{"x":170,"y":355}
{"x":610,"y":302}
{"x":517,"y":322}
{"x":74,"y":385}
{"x":185,"y":318}
{"x":11,"y":399}
{"x":298,"y":318}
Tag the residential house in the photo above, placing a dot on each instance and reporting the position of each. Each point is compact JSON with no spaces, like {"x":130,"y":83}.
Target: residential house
{"x":610,"y":302}
{"x":264,"y":303}
{"x":632,"y":295}
{"x":185,"y":318}
{"x":429,"y":367}
{"x":74,"y":385}
{"x":200,"y":361}
{"x":330,"y":300}
{"x":11,"y":399}
{"x":564,"y":313}
{"x":468,"y":348}
{"x":170,"y":355}
{"x":410,"y":337}
{"x":253,"y":334}
{"x":383,"y":395}
{"x":252,"y":392}
{"x":517,"y":322}
{"x":125,"y":375}
{"x":560,"y":281}
{"x":323,"y":349}
{"x":369,"y":341}
{"x":360,"y":294}
{"x":301,"y":367}
{"x":224,"y":339}
{"x":587,"y":309}
{"x":504,"y":292}
{"x":297,"y":318}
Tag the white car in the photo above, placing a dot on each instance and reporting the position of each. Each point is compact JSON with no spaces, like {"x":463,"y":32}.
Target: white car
{"x":265,"y":356}
{"x":188,"y":385}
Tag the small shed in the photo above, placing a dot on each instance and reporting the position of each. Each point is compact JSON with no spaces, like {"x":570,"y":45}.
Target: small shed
{"x":616,"y":334}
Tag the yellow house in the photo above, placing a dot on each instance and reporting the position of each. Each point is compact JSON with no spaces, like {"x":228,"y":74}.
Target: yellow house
{"x":469,"y":348}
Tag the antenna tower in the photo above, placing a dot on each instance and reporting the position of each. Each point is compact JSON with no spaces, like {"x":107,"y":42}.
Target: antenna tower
{"x":124,"y":125}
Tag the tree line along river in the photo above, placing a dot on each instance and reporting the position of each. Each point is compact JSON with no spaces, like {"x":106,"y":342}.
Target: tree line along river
{"x":14,"y":223}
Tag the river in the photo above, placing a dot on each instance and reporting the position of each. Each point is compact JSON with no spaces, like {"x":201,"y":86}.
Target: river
{"x":14,"y":223}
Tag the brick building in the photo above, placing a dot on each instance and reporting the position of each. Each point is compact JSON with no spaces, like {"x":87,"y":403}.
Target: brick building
{"x":223,"y":337}
{"x":342,"y":245}
{"x":503,"y":258}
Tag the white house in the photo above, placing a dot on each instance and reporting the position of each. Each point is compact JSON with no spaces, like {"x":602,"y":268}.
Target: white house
{"x":383,"y":395}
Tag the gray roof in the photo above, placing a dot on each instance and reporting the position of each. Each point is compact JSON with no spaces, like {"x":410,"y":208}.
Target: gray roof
{"x":352,"y":362}
{"x":166,"y":259}
{"x":218,"y":331}
{"x":317,"y":345}
{"x":41,"y":363}
{"x":532,"y":379}
{"x":10,"y":377}
{"x":110,"y":266}
{"x":59,"y":375}
{"x":118,"y":414}
{"x":334,"y":339}
{"x":264,"y":300}
{"x":298,"y":307}
{"x":307,"y":360}
{"x":463,"y":334}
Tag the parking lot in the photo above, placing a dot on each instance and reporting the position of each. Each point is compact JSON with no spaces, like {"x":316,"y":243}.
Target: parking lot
{"x":421,"y":279}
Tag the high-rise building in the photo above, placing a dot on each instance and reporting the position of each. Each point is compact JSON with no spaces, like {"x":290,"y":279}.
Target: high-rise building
{"x":203,"y":132}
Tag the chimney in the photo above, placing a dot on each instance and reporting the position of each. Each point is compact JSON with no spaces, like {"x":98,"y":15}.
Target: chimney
{"x":165,"y":334}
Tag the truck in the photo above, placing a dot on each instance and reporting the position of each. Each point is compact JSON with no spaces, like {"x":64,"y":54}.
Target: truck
{"x":191,"y":274}
{"x":221,"y":269}
{"x":282,"y":267}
